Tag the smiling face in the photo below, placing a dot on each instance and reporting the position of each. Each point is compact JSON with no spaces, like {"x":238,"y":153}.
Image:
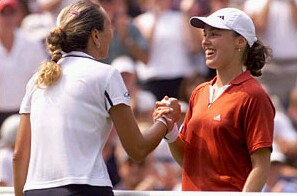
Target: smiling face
{"x":221,"y":48}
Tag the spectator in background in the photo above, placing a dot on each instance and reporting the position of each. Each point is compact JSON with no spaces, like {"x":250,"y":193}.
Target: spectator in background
{"x":196,"y":8}
{"x":280,"y":75}
{"x":135,"y":175}
{"x":128,"y":40}
{"x":24,"y":10}
{"x":171,"y":45}
{"x":155,"y":172}
{"x":20,"y":56}
{"x":8,"y":132}
{"x":134,"y":8}
{"x":38,"y":26}
{"x":292,"y":106}
{"x":53,"y":6}
{"x":282,"y":175}
{"x":47,"y":13}
{"x":290,"y":148}
{"x":283,"y":172}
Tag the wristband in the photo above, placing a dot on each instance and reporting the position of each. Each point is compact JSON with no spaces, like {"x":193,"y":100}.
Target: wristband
{"x":163,"y":120}
{"x":168,"y":101}
{"x":172,"y":135}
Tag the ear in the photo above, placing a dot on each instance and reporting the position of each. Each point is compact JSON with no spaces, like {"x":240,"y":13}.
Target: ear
{"x":241,"y":42}
{"x":95,"y":36}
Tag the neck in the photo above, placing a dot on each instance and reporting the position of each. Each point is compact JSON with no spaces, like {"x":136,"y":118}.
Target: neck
{"x":225,"y":76}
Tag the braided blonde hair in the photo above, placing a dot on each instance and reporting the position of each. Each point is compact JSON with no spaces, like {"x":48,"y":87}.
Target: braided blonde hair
{"x":50,"y":71}
{"x":75,"y":24}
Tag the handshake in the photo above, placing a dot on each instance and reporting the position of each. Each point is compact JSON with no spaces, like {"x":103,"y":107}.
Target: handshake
{"x":168,"y":111}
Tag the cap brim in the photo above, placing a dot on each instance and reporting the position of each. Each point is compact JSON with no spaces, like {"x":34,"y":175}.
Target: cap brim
{"x":199,"y":22}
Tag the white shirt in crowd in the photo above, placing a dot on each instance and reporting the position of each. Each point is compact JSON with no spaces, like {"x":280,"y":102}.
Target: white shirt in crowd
{"x":16,"y":68}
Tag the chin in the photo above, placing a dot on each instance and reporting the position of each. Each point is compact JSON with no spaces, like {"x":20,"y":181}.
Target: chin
{"x":211,"y":64}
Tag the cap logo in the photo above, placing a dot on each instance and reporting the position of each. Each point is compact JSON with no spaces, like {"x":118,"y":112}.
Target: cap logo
{"x":222,"y":17}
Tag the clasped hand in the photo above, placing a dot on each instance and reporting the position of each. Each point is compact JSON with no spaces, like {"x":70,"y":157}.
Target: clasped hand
{"x":169,"y":109}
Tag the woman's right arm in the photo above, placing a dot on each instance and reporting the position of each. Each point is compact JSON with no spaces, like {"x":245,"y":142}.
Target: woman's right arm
{"x":22,"y":154}
{"x":137,"y":144}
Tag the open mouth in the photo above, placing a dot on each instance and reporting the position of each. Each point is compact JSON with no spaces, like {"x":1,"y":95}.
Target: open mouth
{"x":209,"y":53}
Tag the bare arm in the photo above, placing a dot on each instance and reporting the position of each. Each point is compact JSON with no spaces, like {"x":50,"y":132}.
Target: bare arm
{"x":122,"y":26}
{"x":192,"y":35}
{"x":22,"y":154}
{"x":177,"y":151}
{"x":293,"y":5}
{"x":260,"y":171}
{"x":136,"y":143}
{"x":137,"y":52}
{"x":260,"y":19}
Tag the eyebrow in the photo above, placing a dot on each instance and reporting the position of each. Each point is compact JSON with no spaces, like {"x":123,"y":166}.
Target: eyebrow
{"x":211,"y":29}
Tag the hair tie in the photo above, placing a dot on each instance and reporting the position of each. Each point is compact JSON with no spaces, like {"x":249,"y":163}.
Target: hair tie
{"x":73,"y":12}
{"x":61,"y":32}
{"x":60,"y":29}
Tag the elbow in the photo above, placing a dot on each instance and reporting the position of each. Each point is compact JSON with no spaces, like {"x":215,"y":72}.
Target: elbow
{"x":137,"y":154}
{"x":18,"y":157}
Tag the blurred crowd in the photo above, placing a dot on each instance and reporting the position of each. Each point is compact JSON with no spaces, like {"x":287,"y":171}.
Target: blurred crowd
{"x":158,"y":54}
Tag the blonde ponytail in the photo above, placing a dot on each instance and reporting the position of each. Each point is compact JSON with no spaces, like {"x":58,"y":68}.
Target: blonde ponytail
{"x":50,"y":71}
{"x":48,"y":74}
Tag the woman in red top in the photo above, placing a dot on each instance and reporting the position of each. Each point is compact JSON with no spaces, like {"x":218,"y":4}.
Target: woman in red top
{"x":226,"y":140}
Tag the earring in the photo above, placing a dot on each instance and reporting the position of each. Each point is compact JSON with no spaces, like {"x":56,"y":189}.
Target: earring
{"x":239,"y":49}
{"x":98,"y":45}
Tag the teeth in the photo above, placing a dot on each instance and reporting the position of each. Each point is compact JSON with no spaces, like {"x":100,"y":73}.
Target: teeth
{"x":209,"y":51}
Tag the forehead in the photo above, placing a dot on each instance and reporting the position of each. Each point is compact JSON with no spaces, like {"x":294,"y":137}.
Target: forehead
{"x":208,"y":28}
{"x":101,"y":9}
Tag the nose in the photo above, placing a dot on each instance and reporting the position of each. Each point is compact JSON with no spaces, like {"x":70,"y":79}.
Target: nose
{"x":205,"y":42}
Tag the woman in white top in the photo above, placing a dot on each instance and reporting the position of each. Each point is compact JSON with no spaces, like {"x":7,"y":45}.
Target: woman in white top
{"x":69,"y":107}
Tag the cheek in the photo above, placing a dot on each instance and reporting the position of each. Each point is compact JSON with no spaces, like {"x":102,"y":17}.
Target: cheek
{"x":227,"y":48}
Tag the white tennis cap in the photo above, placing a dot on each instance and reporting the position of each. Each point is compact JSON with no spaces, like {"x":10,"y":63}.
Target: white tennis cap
{"x":231,"y":19}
